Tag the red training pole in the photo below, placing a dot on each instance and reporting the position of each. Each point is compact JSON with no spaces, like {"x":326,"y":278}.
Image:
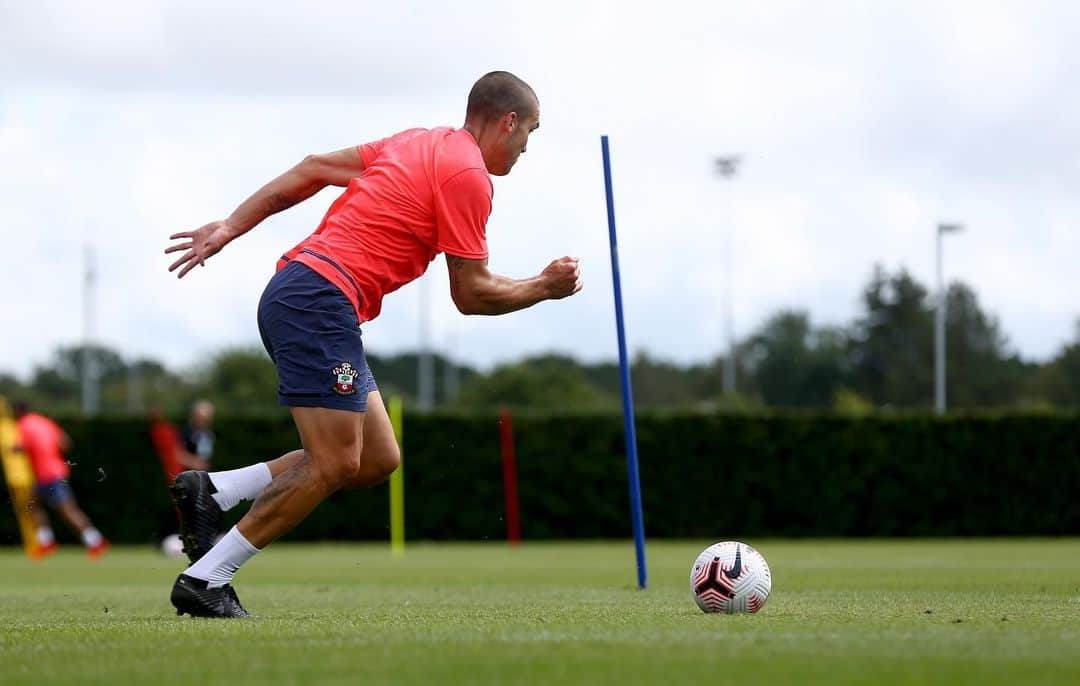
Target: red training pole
{"x":510,"y":485}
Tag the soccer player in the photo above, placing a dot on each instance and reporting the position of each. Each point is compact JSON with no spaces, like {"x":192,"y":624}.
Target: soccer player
{"x":199,"y":436}
{"x":178,"y":452}
{"x":168,"y":446}
{"x":191,"y":449}
{"x":407,"y":198}
{"x":45,"y":444}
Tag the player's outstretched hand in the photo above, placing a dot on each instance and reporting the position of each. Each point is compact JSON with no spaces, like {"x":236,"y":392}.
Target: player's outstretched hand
{"x":563,"y":277}
{"x":200,"y":245}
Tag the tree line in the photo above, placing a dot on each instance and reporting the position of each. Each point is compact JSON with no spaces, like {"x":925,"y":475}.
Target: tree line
{"x":883,"y":359}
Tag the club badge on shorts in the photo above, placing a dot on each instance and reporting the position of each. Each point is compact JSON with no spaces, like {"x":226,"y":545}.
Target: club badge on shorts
{"x":346,"y":379}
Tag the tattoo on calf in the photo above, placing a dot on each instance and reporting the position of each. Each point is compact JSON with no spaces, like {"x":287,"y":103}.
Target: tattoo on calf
{"x":300,"y":472}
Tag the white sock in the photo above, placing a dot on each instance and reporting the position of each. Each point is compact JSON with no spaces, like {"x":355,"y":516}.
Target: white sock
{"x":235,"y":485}
{"x":91,"y":537}
{"x":45,"y":536}
{"x":219,"y":564}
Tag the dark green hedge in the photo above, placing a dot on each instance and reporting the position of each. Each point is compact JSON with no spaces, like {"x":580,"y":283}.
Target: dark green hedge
{"x":707,"y":476}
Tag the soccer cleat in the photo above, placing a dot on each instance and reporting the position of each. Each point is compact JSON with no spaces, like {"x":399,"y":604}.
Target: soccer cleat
{"x":43,"y":551}
{"x":200,"y":516}
{"x":96,"y":551}
{"x":191,"y":596}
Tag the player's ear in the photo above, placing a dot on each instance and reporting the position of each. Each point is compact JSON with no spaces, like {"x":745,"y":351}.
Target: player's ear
{"x":510,"y":120}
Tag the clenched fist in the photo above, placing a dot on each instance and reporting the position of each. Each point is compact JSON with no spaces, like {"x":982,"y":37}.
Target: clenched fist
{"x":562,"y":277}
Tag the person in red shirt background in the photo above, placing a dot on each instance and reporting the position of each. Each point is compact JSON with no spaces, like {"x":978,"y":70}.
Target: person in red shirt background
{"x":178,"y":452}
{"x":407,"y":198}
{"x":191,"y":449}
{"x":45,"y":443}
{"x":167,"y":444}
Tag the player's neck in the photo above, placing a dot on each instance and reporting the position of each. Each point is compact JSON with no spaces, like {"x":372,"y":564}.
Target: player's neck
{"x":478,"y":131}
{"x":475,"y":130}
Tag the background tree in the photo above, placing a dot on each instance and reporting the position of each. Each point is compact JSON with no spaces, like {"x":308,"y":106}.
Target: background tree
{"x":883,"y":359}
{"x":792,"y":365}
{"x":1058,"y":382}
{"x":891,"y":345}
{"x":553,"y":382}
{"x":241,"y":380}
{"x":982,"y":372}
{"x":399,"y":375}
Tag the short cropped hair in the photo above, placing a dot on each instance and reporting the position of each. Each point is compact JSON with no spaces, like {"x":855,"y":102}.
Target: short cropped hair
{"x":497,"y":93}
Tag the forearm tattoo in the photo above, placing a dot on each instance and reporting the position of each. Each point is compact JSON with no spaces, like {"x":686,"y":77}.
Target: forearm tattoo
{"x":278,"y":202}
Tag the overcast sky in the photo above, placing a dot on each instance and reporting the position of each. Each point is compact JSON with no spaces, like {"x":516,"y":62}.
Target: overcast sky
{"x":862,"y":126}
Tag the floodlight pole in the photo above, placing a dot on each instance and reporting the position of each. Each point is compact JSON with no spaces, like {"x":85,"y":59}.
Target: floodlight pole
{"x":939,"y":321}
{"x":726,"y":167}
{"x":450,"y":369}
{"x":90,"y":391}
{"x":425,"y":365}
{"x":134,"y":387}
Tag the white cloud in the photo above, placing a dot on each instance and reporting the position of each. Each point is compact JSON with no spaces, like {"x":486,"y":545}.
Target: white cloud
{"x":862,"y":126}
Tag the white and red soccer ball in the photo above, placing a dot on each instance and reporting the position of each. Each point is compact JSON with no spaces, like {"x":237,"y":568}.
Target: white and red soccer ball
{"x":730,"y":577}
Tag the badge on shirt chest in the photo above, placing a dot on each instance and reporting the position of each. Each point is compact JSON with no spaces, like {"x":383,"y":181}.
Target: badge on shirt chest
{"x":346,"y":375}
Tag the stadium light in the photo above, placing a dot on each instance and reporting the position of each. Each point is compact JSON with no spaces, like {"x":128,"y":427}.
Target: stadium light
{"x":939,"y":321}
{"x":91,"y":393}
{"x":425,"y":364}
{"x":451,"y":383}
{"x":726,"y":167}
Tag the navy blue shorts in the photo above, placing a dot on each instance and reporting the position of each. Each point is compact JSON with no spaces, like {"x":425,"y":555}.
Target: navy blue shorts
{"x":54,"y":493}
{"x":310,"y":330}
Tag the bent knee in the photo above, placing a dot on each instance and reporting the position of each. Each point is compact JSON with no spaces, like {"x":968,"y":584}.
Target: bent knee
{"x":342,"y":469}
{"x":391,"y":460}
{"x":381,"y":465}
{"x":376,"y":468}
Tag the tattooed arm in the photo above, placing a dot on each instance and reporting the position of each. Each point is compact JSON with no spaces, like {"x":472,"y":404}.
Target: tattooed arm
{"x":476,"y":290}
{"x":307,"y":178}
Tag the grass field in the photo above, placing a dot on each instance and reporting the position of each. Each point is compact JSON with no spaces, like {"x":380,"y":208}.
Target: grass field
{"x":909,"y":612}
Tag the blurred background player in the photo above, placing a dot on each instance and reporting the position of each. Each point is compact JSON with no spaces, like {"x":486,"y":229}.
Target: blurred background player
{"x":178,"y":451}
{"x":45,"y":443}
{"x":199,"y":436}
{"x":167,"y":444}
{"x":191,"y":449}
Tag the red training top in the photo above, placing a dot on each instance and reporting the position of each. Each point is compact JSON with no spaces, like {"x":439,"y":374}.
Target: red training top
{"x":422,"y":192}
{"x":166,"y":440}
{"x":41,"y":438}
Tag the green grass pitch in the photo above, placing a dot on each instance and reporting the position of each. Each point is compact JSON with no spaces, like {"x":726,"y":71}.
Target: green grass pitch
{"x":841,"y":612}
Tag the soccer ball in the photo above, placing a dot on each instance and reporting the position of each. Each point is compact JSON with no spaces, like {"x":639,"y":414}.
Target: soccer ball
{"x":172,"y":546}
{"x":730,"y":577}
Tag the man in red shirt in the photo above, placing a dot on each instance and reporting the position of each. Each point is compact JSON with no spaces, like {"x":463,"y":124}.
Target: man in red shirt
{"x":407,"y":198}
{"x":45,"y":443}
{"x":181,"y":451}
{"x":166,"y":439}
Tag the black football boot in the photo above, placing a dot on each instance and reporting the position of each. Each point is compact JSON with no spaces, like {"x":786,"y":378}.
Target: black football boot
{"x":191,"y":596}
{"x":200,"y":516}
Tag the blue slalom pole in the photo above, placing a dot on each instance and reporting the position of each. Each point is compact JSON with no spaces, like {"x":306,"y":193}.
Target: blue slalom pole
{"x":624,"y":373}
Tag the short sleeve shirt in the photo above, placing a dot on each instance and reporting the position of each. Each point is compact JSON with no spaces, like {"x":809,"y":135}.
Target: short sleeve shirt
{"x":40,"y":438}
{"x":422,"y":192}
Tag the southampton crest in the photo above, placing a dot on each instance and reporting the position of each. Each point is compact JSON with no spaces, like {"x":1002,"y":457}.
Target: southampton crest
{"x":345,"y":374}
